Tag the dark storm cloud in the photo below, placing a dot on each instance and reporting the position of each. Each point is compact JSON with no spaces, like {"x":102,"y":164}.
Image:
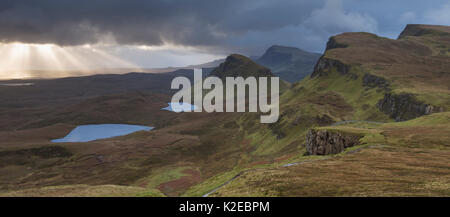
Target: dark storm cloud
{"x":150,"y":22}
{"x":245,"y":26}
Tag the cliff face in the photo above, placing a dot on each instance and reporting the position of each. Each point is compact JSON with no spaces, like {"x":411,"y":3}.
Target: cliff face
{"x":399,"y":107}
{"x":333,"y":43}
{"x":419,"y":58}
{"x":404,"y":107}
{"x":324,"y":142}
{"x":325,"y":64}
{"x":373,"y":81}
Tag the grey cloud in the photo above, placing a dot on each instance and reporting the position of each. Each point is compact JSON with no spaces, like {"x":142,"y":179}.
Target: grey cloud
{"x":214,"y":25}
{"x":193,"y":22}
{"x":332,"y":18}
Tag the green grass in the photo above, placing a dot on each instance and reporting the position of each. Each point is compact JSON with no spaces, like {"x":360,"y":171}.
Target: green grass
{"x":79,"y":191}
{"x":211,"y":183}
{"x":435,"y":119}
{"x":158,"y":177}
{"x":150,"y":193}
{"x":312,"y":98}
{"x":395,"y":159}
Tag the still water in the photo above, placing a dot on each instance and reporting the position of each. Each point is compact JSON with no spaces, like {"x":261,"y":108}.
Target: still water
{"x":87,"y":133}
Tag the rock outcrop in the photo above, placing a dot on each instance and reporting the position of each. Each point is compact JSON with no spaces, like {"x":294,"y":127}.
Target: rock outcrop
{"x":373,"y":81}
{"x":323,"y":142}
{"x":404,"y":107}
{"x":325,"y":64}
{"x":332,"y":44}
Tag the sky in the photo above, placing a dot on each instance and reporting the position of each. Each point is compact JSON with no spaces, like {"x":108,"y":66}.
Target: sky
{"x":67,"y":34}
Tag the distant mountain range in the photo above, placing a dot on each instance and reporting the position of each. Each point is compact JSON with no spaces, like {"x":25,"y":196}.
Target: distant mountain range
{"x":289,"y":63}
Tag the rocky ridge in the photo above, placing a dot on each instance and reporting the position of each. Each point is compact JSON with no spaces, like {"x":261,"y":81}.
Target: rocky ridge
{"x":402,"y":107}
{"x":324,"y":142}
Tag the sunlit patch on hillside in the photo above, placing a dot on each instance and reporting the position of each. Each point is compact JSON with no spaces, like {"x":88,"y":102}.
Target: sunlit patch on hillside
{"x":17,"y":59}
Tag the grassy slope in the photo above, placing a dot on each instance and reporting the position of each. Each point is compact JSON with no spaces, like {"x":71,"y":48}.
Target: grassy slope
{"x":310,"y":103}
{"x":82,"y":191}
{"x":407,"y":64}
{"x":412,"y":64}
{"x":397,"y":159}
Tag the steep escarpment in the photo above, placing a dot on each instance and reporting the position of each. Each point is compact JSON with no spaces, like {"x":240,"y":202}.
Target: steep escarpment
{"x":436,"y":38}
{"x":323,"y":142}
{"x":325,"y":64}
{"x":417,"y":30}
{"x":402,"y":107}
{"x":333,"y":43}
{"x":411,"y":74}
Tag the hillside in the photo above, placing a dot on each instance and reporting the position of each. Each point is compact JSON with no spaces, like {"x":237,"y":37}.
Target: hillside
{"x":411,"y":72}
{"x":289,"y":63}
{"x":367,"y":78}
{"x":236,"y":65}
{"x":394,"y":159}
{"x":239,"y":65}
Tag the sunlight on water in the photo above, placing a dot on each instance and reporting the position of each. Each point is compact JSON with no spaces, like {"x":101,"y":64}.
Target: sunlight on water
{"x":180,"y":107}
{"x":16,"y":84}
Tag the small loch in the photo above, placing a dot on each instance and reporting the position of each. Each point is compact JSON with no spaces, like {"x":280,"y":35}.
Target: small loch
{"x":180,"y":107}
{"x":87,"y":133}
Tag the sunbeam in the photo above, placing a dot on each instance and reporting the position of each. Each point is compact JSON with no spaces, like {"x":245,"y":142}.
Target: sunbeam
{"x":18,"y":60}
